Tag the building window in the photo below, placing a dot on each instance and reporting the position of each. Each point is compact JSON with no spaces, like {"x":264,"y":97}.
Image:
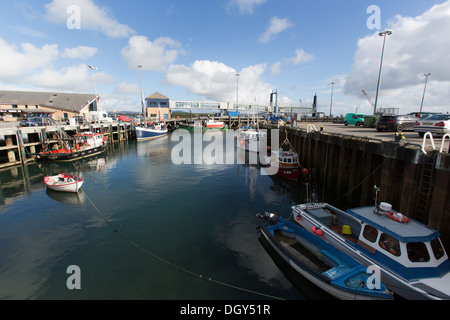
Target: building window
{"x":14,"y":106}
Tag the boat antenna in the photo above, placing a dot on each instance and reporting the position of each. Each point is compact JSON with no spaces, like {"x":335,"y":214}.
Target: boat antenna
{"x":376,"y":190}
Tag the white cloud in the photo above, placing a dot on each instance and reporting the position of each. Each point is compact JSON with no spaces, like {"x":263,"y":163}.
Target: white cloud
{"x":153,"y":56}
{"x":15,"y":61}
{"x":80,"y":52}
{"x":276,"y":25}
{"x":300,"y":57}
{"x":126,"y":88}
{"x":217,"y":81}
{"x":246,"y":6}
{"x":92,"y":17}
{"x":417,"y":45}
{"x":73,"y":78}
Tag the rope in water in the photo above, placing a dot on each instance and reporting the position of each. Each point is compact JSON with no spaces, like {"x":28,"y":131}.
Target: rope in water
{"x":138,"y":247}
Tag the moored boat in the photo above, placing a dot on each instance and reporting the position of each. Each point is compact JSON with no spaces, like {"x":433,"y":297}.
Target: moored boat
{"x":214,"y":124}
{"x":151,"y":131}
{"x":410,"y":255}
{"x":64,"y":182}
{"x":320,"y":263}
{"x":80,"y":146}
{"x":252,"y":140}
{"x":288,"y":162}
{"x":192,"y":126}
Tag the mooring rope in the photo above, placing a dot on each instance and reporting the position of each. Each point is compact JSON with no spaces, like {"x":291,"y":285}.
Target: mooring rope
{"x":138,"y":247}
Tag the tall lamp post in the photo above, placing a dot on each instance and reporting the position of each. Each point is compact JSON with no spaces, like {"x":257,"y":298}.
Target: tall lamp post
{"x":237,"y":90}
{"x":424,"y":89}
{"x":331,"y":103}
{"x":381,"y":34}
{"x":95,"y":85}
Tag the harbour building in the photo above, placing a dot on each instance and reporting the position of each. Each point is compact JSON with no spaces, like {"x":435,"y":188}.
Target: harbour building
{"x":17,"y":105}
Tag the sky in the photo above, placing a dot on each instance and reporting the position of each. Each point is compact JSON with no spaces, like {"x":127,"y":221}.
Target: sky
{"x":192,"y":50}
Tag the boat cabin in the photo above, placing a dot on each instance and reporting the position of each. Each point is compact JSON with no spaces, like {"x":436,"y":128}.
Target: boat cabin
{"x":404,"y":245}
{"x":288,"y":158}
{"x":89,"y":140}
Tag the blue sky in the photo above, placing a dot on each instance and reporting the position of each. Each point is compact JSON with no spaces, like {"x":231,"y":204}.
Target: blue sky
{"x":191,"y":50}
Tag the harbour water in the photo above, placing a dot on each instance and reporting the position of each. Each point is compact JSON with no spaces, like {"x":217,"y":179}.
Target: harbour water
{"x":144,"y":228}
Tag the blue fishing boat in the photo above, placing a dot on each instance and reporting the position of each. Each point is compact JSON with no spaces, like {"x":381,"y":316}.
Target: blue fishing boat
{"x":321,"y":263}
{"x":151,"y":131}
{"x":412,"y":260}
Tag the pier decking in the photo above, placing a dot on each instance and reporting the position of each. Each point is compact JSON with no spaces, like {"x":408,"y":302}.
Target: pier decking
{"x":19,"y":145}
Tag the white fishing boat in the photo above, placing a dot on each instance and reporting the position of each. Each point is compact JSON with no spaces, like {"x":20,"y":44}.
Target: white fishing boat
{"x":410,"y":255}
{"x":251,"y":140}
{"x":64,"y":182}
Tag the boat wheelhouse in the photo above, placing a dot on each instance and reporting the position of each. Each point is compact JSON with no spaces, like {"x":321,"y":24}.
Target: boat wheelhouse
{"x":252,"y":140}
{"x":410,"y":255}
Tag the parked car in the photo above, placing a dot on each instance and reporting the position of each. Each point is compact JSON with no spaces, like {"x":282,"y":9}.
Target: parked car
{"x":396,"y":123}
{"x":354,"y":118}
{"x":423,"y":115}
{"x":33,"y":122}
{"x":125,"y":119}
{"x":437,"y":124}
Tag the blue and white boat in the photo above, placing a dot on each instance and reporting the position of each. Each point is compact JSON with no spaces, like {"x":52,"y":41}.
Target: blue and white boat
{"x":151,"y":132}
{"x":319,"y":262}
{"x":412,"y":260}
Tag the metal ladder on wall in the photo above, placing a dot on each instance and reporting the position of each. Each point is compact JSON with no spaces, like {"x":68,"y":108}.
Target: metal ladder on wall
{"x":425,"y":187}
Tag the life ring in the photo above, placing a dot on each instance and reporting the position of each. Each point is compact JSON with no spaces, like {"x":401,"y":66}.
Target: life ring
{"x":396,"y":216}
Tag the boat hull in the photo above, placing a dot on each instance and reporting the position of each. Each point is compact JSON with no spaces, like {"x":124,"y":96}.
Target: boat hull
{"x":143,"y":134}
{"x":72,"y":155}
{"x":340,"y":292}
{"x":64,"y":183}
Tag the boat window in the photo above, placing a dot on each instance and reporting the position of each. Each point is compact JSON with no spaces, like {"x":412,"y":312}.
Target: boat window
{"x":417,"y":252}
{"x":436,"y":246}
{"x":389,"y":244}
{"x":370,"y":233}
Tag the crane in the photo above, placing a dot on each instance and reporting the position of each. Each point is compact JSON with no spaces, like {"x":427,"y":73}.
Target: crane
{"x":368,"y":98}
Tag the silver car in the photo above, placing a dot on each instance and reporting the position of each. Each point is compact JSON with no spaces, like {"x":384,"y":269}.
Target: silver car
{"x":437,"y":124}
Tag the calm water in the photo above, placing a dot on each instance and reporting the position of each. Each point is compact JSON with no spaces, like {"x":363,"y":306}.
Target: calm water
{"x":188,"y":220}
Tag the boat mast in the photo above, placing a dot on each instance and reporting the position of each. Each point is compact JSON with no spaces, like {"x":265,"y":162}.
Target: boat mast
{"x":142,"y":97}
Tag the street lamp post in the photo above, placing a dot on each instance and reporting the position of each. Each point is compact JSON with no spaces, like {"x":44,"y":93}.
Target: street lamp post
{"x":331,"y":103}
{"x":237,"y":90}
{"x":95,"y":85}
{"x":381,"y":34}
{"x":95,"y":89}
{"x":424,"y":89}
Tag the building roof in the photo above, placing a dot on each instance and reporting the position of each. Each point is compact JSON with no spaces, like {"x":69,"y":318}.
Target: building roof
{"x":157,"y":96}
{"x":53,"y":100}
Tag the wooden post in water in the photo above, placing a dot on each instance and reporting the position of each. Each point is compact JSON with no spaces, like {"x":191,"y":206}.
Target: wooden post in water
{"x":22,"y":154}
